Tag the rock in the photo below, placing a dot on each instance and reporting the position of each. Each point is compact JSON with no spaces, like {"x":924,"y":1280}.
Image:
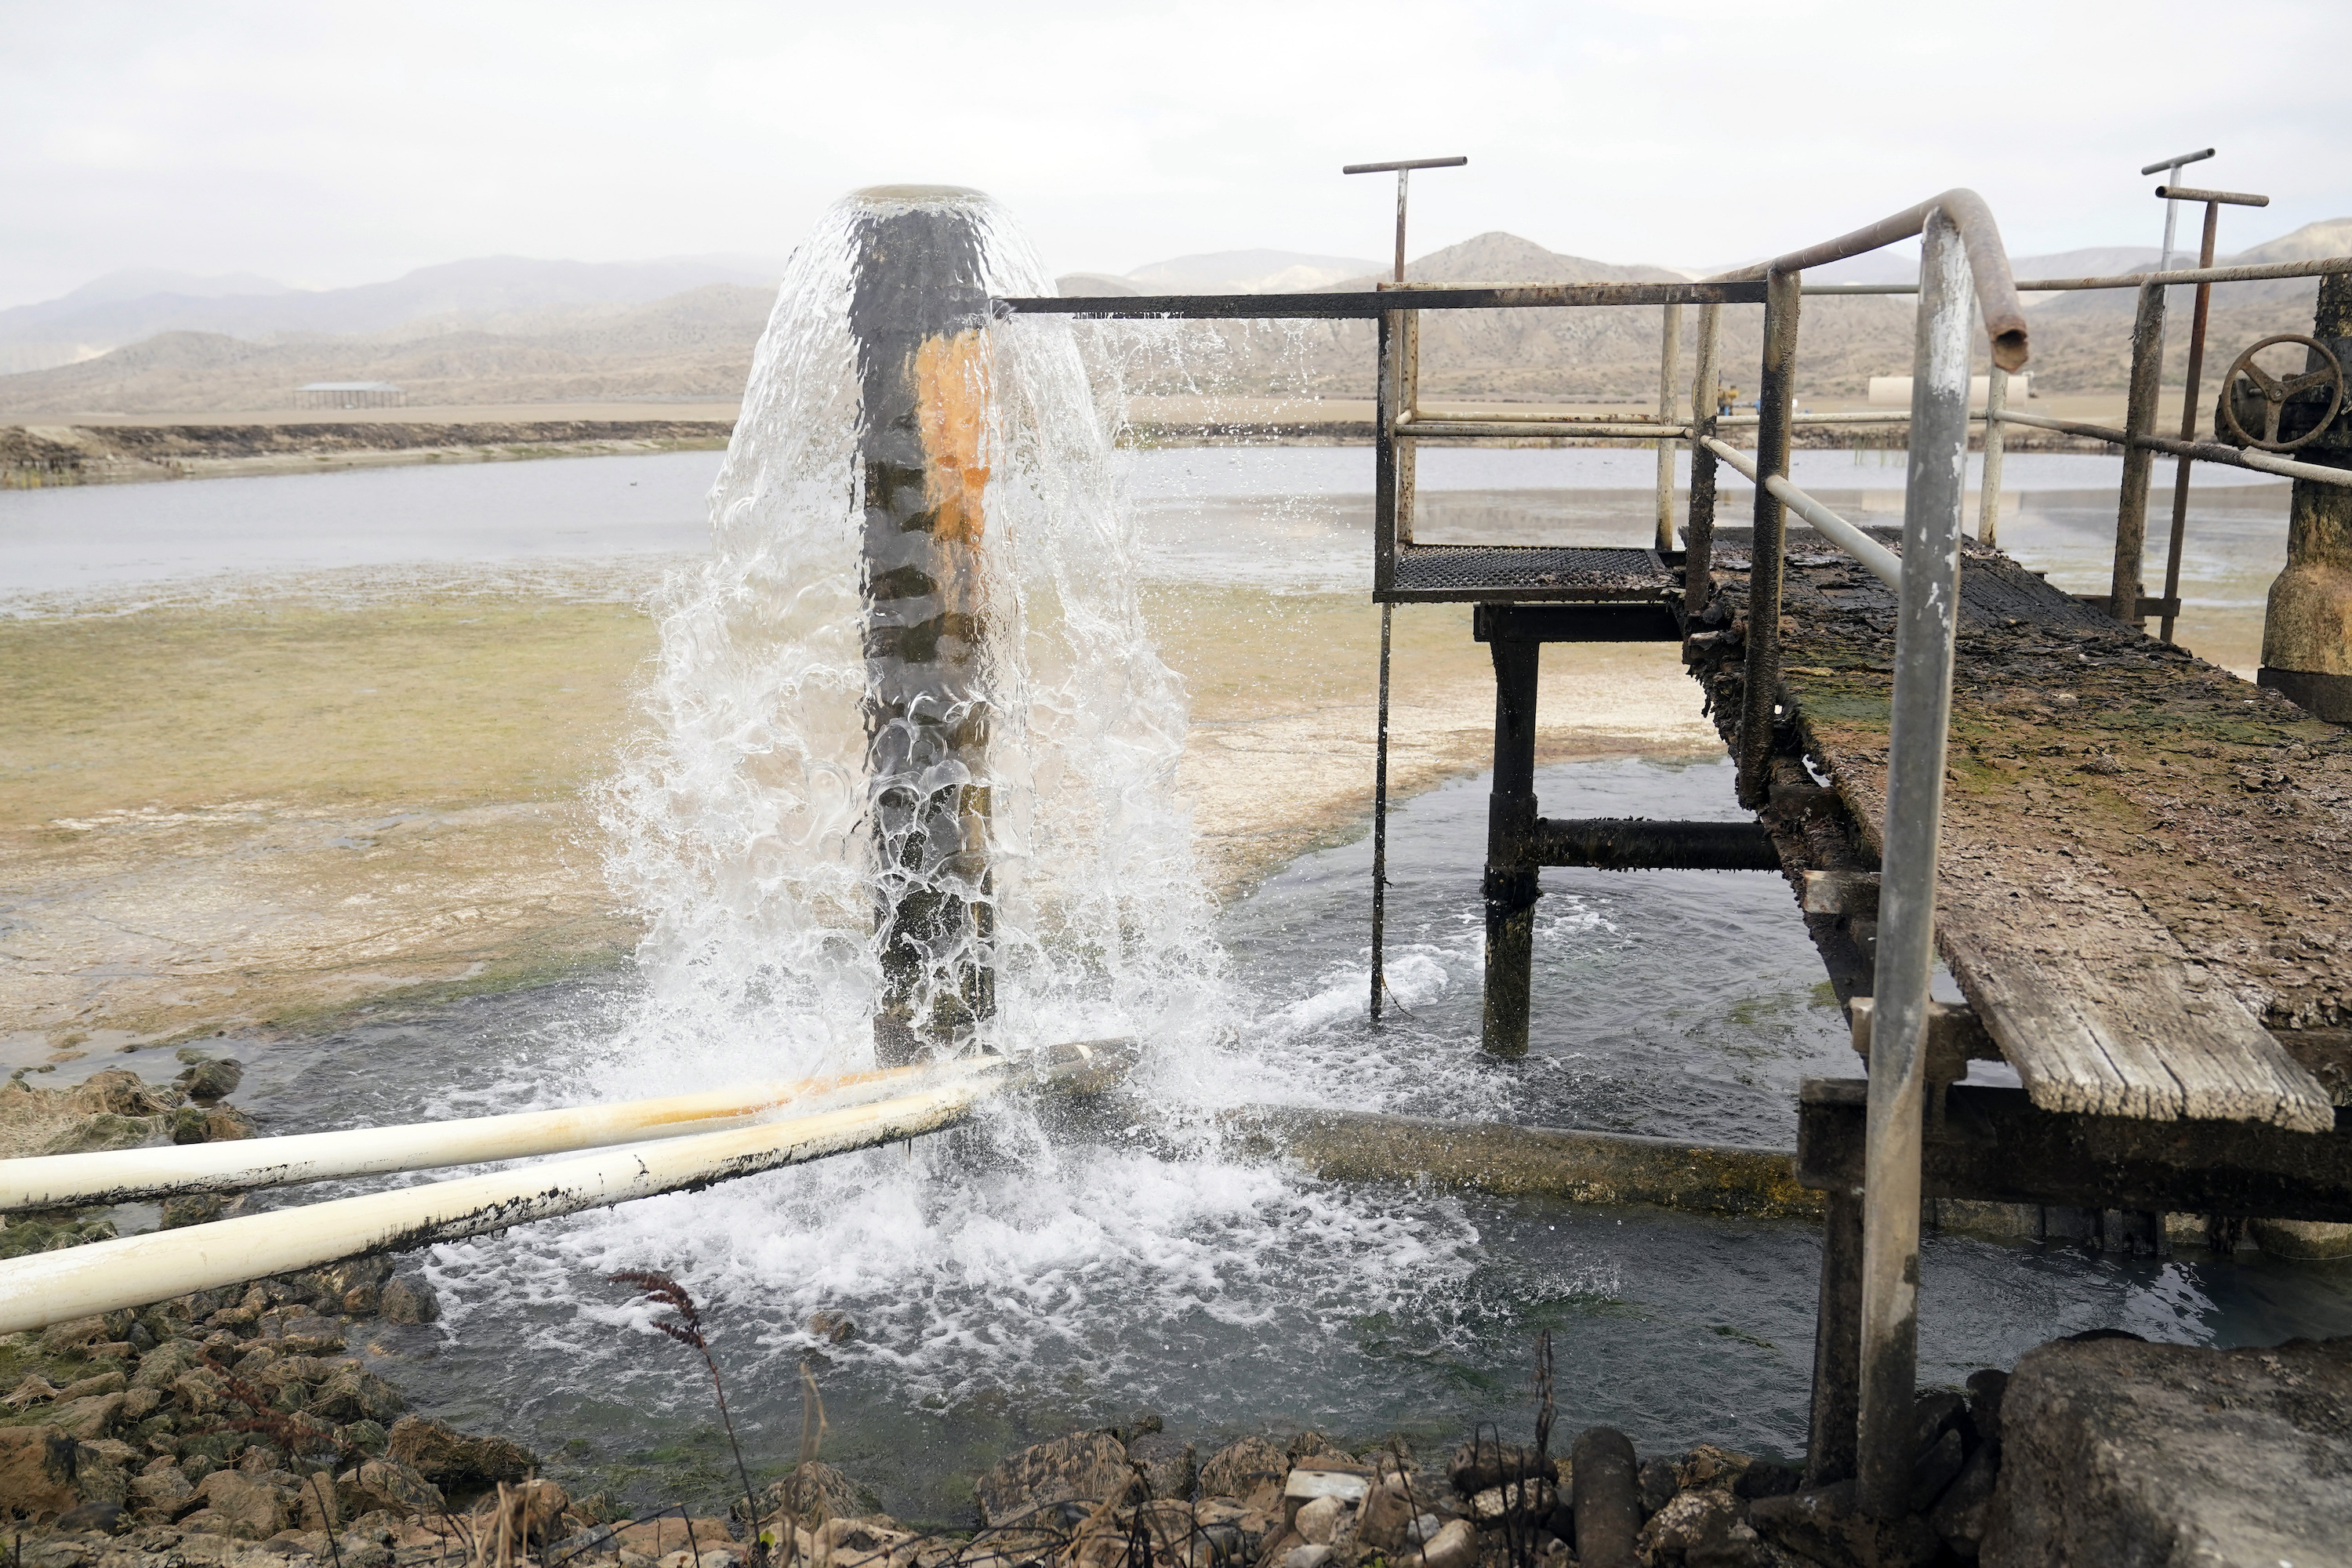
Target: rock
{"x":1169,"y":1464}
{"x":360,"y":1396}
{"x":834,"y":1328}
{"x":389,"y":1484}
{"x":405,"y":1299}
{"x":657,"y":1538}
{"x":1936,"y":1412}
{"x":90,"y":1387}
{"x":1385,"y":1517}
{"x":235,"y":1504}
{"x":1479,"y":1467}
{"x":1708,"y":1465}
{"x":1935,"y":1469}
{"x":1607,"y":1502}
{"x":447,"y":1458}
{"x":2118,"y":1451}
{"x":1656,"y":1484}
{"x":35,"y":1390}
{"x":97,"y":1416}
{"x":78,"y":1333}
{"x":163,"y":1489}
{"x":102,"y":1517}
{"x":1985,"y":1391}
{"x":812,"y":1494}
{"x":858,"y":1542}
{"x":114,"y":1093}
{"x":1822,"y":1526}
{"x":1251,"y":1471}
{"x":1767,"y":1477}
{"x":1959,"y":1515}
{"x":1312,"y":1555}
{"x":37,"y":1465}
{"x":1456,"y":1546}
{"x":1531,"y":1499}
{"x":1088,"y":1467}
{"x":210,"y":1080}
{"x":166,"y":1361}
{"x":1319,"y":1520}
{"x":1704,"y":1526}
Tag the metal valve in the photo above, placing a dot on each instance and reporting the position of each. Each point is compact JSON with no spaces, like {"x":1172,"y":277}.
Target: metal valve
{"x":2276,"y":405}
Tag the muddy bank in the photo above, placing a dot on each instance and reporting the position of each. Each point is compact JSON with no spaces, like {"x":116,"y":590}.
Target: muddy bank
{"x":257,"y":812}
{"x":37,"y":456}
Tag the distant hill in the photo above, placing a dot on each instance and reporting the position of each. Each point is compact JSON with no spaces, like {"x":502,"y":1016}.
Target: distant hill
{"x":696,"y":345}
{"x":126,"y":308}
{"x":1247,"y":272}
{"x":508,"y":329}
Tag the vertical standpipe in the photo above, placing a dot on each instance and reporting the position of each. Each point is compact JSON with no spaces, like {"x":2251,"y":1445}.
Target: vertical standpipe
{"x":917,"y":310}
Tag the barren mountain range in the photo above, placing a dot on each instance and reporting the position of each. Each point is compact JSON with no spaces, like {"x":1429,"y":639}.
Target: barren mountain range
{"x":507,"y":330}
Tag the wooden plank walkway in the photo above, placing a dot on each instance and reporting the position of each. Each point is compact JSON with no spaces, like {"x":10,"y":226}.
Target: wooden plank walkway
{"x":2144,"y":867}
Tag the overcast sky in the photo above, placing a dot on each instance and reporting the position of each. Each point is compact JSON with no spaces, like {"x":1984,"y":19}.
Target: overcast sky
{"x":328,"y":144}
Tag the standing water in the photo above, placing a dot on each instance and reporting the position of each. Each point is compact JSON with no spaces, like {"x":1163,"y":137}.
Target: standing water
{"x":1025,"y":1274}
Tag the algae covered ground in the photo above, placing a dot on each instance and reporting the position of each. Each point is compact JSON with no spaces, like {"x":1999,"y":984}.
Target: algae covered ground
{"x":254,"y":811}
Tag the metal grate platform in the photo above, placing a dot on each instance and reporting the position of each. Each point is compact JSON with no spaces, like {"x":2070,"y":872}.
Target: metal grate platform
{"x":1471,"y":574}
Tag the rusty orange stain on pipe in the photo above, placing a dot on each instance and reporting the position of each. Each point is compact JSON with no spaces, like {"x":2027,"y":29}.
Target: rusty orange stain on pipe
{"x":951,"y":411}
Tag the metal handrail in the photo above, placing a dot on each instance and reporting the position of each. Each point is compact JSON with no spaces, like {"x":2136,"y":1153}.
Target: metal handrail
{"x":1882,"y":563}
{"x":2199,"y":452}
{"x":1995,"y":291}
{"x":2255,"y":274}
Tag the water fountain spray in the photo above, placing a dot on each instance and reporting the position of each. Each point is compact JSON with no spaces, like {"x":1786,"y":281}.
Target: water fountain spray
{"x":918,"y":311}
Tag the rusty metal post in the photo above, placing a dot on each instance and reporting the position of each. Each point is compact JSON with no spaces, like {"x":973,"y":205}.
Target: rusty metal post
{"x":1698,"y":530}
{"x":1669,"y":368}
{"x":2188,"y":423}
{"x":1776,"y":390}
{"x":918,"y":308}
{"x":1512,"y":883}
{"x":1927,"y":618}
{"x":2307,"y":622}
{"x":1399,"y":396}
{"x":1988,"y":486}
{"x":1837,"y":1344}
{"x":2140,"y":422}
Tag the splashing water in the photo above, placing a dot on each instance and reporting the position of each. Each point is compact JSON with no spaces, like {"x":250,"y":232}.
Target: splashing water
{"x":998,"y":1258}
{"x":1019,"y":1276}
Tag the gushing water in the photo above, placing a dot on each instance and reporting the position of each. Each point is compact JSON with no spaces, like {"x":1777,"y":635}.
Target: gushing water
{"x":1018,"y":1276}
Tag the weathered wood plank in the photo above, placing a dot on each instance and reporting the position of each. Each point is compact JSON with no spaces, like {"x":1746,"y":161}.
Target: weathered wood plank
{"x":2143,"y":859}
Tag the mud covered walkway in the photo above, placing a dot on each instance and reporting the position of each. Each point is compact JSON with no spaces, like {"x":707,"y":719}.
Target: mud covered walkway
{"x":2144,"y":890}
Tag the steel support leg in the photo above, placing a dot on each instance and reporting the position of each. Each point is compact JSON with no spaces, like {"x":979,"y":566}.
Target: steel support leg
{"x":1381,"y":829}
{"x":1511,"y":884}
{"x":1925,"y":620}
{"x":1837,"y":1344}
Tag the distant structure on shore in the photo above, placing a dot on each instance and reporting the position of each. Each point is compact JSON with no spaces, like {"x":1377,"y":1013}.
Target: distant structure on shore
{"x":349,"y":394}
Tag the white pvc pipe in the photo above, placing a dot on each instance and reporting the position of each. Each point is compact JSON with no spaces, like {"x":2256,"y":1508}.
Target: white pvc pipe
{"x":62,"y":1180}
{"x":1882,"y":563}
{"x":134,"y":1270}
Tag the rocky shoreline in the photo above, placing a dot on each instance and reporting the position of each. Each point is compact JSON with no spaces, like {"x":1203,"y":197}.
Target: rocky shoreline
{"x":249,"y":1428}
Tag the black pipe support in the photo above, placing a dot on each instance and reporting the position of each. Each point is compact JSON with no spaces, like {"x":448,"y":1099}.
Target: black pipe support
{"x":1638,"y":844}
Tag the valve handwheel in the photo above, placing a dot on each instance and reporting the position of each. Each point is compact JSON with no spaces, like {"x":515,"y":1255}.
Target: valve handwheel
{"x":2276,"y":390}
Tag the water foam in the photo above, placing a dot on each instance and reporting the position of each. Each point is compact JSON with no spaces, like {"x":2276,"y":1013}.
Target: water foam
{"x":998,"y":1257}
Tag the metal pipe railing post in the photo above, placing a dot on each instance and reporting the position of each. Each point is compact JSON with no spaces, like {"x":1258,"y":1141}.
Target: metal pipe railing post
{"x":1388,"y":503}
{"x":1669,"y":368}
{"x":1926,"y":622}
{"x":2140,"y":422}
{"x":2189,"y":422}
{"x":1988,"y":486}
{"x":1776,"y":390}
{"x":1698,"y":530}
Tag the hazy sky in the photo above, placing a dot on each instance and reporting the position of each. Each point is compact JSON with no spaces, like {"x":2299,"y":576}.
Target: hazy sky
{"x":328,"y":144}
